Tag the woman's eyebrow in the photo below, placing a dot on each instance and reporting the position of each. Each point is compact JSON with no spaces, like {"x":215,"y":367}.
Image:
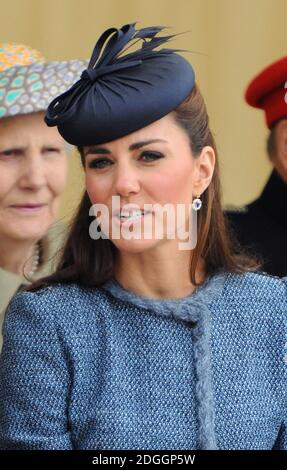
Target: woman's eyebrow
{"x":138,"y":145}
{"x":102,"y":150}
{"x":13,"y":148}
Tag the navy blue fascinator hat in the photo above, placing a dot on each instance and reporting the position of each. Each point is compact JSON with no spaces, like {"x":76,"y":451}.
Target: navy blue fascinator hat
{"x":120,"y":93}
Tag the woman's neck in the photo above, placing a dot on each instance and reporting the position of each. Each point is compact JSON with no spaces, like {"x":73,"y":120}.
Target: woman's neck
{"x":157,"y":275}
{"x":16,"y":255}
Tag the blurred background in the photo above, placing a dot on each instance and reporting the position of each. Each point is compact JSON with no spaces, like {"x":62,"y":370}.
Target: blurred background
{"x":230,"y":41}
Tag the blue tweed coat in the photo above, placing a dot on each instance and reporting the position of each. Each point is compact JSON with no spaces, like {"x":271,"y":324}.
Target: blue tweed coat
{"x":103,"y":368}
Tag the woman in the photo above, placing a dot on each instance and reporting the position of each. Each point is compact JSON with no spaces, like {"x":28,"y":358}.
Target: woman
{"x":33,"y":166}
{"x":137,"y":342}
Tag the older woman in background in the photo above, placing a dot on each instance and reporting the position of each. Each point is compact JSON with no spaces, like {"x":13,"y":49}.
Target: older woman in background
{"x":33,"y":166}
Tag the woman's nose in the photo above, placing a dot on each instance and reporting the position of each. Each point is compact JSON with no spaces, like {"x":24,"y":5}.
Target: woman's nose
{"x":126,"y":181}
{"x":33,"y":173}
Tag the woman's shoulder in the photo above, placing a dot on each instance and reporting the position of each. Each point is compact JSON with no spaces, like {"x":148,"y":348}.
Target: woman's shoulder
{"x":250,"y":278}
{"x":258,"y":282}
{"x":245,"y":292}
{"x":62,"y":300}
{"x":252,"y":292}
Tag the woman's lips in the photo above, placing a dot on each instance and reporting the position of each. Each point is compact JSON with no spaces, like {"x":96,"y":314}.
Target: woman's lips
{"x":129,"y":220}
{"x":29,"y":208}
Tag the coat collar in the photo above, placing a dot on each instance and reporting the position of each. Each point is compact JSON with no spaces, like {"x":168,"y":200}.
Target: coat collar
{"x":177,"y":308}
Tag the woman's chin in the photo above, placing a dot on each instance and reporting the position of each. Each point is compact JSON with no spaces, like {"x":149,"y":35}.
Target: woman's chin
{"x":135,"y":246}
{"x":25,"y":231}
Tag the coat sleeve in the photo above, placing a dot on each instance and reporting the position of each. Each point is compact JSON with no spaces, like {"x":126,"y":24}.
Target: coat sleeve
{"x":34,"y":377}
{"x":9,"y":284}
{"x":281,"y":441}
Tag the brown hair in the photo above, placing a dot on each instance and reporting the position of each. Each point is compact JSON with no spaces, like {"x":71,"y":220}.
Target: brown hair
{"x":91,"y":262}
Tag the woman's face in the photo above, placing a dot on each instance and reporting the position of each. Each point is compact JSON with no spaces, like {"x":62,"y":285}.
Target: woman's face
{"x":33,"y":171}
{"x":153,"y":165}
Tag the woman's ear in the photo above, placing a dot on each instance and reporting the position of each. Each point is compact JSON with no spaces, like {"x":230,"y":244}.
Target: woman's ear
{"x":204,"y":168}
{"x":280,"y":159}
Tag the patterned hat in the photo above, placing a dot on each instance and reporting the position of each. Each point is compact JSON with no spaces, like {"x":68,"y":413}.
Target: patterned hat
{"x":28,"y":83}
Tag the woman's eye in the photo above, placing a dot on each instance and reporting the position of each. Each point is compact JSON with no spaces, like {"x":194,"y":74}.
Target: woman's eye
{"x":52,"y":149}
{"x":99,"y":163}
{"x":151,"y":156}
{"x":10,"y":153}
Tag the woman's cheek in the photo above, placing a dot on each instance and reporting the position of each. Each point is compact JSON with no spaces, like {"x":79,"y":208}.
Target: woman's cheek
{"x":7,"y":184}
{"x":163,"y":186}
{"x":99,"y":188}
{"x":57,"y":176}
{"x":96,"y":192}
{"x":172,"y":187}
{"x":57,"y":183}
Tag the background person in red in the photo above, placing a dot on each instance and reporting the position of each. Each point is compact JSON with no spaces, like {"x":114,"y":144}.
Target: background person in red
{"x":261,"y":226}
